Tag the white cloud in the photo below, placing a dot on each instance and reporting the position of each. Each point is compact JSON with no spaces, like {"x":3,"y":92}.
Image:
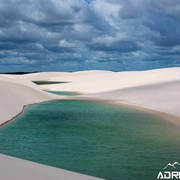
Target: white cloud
{"x":64,"y":43}
{"x":39,"y":46}
{"x":108,"y":10}
{"x":108,"y":40}
{"x":23,"y":29}
{"x":1,"y":33}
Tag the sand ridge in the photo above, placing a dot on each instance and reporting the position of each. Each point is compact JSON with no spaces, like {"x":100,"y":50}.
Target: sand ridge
{"x":155,"y":89}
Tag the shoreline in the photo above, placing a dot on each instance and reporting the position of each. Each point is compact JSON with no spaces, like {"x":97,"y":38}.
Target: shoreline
{"x":175,"y":120}
{"x":165,"y":116}
{"x":23,"y":108}
{"x":77,"y":93}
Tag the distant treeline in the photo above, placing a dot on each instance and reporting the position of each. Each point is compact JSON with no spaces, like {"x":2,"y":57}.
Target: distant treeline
{"x":19,"y":73}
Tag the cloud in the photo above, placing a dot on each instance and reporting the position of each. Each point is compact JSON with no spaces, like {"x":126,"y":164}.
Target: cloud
{"x":137,"y":34}
{"x":65,"y":44}
{"x":106,"y":39}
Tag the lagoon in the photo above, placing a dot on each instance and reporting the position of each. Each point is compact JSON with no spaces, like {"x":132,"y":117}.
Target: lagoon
{"x":48,"y":82}
{"x":62,"y":93}
{"x":93,"y":138}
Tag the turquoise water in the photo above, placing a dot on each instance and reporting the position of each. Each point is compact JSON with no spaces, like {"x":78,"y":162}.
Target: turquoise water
{"x":93,"y":138}
{"x":63,"y":93}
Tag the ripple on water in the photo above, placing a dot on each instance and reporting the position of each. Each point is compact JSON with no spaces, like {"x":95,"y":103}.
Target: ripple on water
{"x":94,"y":138}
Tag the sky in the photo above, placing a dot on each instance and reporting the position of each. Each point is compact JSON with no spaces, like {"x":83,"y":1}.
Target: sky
{"x":72,"y":35}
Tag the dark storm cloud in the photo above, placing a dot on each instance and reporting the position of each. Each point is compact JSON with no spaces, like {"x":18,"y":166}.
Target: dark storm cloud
{"x":57,"y":49}
{"x":57,"y":35}
{"x":7,"y":46}
{"x":121,"y":47}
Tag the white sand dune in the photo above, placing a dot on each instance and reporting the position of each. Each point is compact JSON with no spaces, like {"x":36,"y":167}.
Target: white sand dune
{"x":155,"y":89}
{"x":163,"y":97}
{"x":43,"y":76}
{"x":103,"y":81}
{"x":16,"y":93}
{"x":16,"y":169}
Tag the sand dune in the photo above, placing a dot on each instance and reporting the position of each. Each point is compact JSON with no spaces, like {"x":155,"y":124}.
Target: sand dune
{"x":103,"y":81}
{"x":154,"y":89}
{"x":16,"y":93}
{"x":17,"y":169}
{"x":163,"y":97}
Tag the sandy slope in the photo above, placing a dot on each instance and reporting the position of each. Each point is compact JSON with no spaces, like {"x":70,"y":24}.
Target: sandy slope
{"x":103,"y":81}
{"x":17,"y":169}
{"x":16,"y":93}
{"x":163,"y":97}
